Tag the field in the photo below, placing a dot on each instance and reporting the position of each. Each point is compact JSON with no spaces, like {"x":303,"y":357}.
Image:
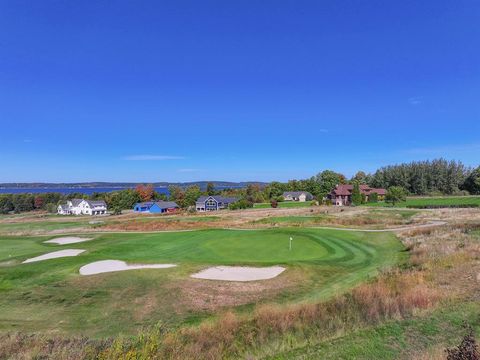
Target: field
{"x":446,"y":201}
{"x":285,"y":204}
{"x":50,"y":296}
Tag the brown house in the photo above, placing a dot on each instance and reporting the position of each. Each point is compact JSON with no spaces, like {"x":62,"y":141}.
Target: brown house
{"x":342,"y":194}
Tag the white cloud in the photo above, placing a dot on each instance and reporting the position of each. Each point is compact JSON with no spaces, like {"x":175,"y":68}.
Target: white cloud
{"x":152,"y":157}
{"x":415,"y":100}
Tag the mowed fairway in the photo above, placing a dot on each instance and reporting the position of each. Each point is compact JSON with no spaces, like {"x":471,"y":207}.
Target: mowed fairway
{"x":51,"y":296}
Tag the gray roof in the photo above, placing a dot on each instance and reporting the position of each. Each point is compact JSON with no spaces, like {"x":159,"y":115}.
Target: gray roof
{"x":220,"y":199}
{"x":76,"y":202}
{"x":167,"y":204}
{"x":160,"y":204}
{"x":148,"y":204}
{"x":96,"y":203}
{"x":296,"y":193}
{"x":63,"y":206}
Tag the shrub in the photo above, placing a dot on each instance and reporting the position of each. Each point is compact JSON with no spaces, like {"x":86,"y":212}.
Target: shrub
{"x":444,"y":206}
{"x":395,"y":194}
{"x":241,"y":204}
{"x":51,"y":208}
{"x":467,"y":350}
{"x":373,"y":198}
{"x":274,"y":203}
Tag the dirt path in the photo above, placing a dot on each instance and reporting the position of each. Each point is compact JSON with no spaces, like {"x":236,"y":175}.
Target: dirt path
{"x":398,"y":229}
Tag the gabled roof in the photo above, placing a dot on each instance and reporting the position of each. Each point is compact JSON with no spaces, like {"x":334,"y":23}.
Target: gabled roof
{"x":147,"y":204}
{"x":167,"y":204}
{"x":94,"y":203}
{"x":160,"y":204}
{"x":220,"y":199}
{"x":76,"y":202}
{"x":296,"y":193}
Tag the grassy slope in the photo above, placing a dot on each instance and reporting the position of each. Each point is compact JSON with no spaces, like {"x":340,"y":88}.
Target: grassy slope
{"x":446,"y":200}
{"x":51,"y":296}
{"x":397,"y":339}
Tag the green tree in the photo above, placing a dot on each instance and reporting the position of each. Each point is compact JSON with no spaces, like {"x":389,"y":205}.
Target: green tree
{"x":356,"y":194}
{"x":395,"y":194}
{"x":254,"y":194}
{"x":360,"y":177}
{"x":176,"y":194}
{"x":274,"y":190}
{"x":6,"y":204}
{"x":192,"y":193}
{"x":327,"y":181}
{"x":472,"y":182}
{"x":373,"y":198}
{"x":210,"y":189}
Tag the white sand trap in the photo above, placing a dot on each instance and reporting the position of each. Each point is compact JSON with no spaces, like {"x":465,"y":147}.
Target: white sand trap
{"x":67,"y":240}
{"x":55,"y":254}
{"x":99,"y":267}
{"x":239,"y":273}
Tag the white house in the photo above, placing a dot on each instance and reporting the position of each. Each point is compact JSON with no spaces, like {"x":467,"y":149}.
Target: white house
{"x":83,"y":207}
{"x":300,"y":196}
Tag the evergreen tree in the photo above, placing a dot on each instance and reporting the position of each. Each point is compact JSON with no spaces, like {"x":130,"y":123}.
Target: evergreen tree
{"x":356,"y":194}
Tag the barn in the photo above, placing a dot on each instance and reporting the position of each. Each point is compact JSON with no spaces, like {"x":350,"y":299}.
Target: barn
{"x":156,"y":207}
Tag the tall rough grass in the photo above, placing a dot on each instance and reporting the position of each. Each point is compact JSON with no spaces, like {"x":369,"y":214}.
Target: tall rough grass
{"x":271,"y":328}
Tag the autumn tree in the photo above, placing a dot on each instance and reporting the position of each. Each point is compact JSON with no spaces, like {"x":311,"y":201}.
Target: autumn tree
{"x":177,"y":194}
{"x":38,"y":202}
{"x":146,"y":192}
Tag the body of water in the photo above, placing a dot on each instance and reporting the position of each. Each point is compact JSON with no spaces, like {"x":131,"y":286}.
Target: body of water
{"x":84,"y":190}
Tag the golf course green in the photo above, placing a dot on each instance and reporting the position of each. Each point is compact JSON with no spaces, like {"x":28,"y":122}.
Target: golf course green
{"x":51,"y":296}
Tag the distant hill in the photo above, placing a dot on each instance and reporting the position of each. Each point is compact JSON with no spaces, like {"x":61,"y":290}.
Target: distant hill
{"x":93,"y":185}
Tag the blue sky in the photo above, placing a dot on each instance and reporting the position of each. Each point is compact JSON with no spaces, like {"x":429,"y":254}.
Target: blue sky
{"x":234,"y":90}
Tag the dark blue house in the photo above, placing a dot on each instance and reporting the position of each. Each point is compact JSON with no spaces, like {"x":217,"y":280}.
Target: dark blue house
{"x":156,"y":207}
{"x":213,"y":203}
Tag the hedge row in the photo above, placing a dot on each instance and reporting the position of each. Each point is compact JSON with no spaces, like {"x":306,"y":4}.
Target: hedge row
{"x":439,"y":206}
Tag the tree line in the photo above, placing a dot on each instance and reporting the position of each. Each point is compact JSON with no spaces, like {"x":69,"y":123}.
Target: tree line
{"x":435,"y":177}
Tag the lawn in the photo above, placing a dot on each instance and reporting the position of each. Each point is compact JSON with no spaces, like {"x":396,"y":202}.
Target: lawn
{"x":284,"y":204}
{"x":44,"y":226}
{"x":375,"y":218}
{"x":446,"y":201}
{"x":51,"y":296}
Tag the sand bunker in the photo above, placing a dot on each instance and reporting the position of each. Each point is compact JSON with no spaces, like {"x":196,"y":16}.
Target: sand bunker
{"x":67,"y":240}
{"x":104,"y":266}
{"x":55,"y":254}
{"x":239,"y":273}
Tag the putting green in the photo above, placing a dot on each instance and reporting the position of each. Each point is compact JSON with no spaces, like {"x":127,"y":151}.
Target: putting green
{"x":51,"y":295}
